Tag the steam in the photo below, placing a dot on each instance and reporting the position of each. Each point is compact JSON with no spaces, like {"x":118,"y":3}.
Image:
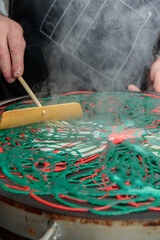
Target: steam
{"x":101,"y":45}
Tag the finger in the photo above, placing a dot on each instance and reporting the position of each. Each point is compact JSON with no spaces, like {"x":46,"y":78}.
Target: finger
{"x":24,"y":44}
{"x":156,"y":82}
{"x":5,"y":60}
{"x":155,"y":76}
{"x":133,"y":88}
{"x":16,"y":47}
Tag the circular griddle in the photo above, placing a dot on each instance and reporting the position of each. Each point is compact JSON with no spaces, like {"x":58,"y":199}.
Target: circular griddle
{"x":35,"y":217}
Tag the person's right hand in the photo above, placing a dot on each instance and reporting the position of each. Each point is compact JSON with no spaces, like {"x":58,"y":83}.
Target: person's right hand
{"x":12,"y":46}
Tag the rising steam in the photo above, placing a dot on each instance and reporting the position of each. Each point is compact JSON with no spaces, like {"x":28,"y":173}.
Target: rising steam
{"x":101,"y":45}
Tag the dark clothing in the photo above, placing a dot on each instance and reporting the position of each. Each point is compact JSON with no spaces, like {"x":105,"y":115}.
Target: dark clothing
{"x":25,"y":12}
{"x":101,"y":45}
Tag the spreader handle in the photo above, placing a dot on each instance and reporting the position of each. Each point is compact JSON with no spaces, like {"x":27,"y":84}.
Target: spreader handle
{"x":29,"y":91}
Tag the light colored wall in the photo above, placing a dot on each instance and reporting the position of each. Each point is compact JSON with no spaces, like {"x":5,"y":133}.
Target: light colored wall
{"x":6,"y":3}
{"x":3,"y":7}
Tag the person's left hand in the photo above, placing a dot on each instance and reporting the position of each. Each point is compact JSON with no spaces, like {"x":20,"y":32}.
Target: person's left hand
{"x":154,"y":78}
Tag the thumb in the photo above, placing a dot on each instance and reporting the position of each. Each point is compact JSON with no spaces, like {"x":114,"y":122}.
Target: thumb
{"x":156,"y":82}
{"x":133,"y":88}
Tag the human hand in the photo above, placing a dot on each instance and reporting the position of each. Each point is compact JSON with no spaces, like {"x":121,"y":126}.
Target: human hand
{"x":12,"y":46}
{"x":154,"y":78}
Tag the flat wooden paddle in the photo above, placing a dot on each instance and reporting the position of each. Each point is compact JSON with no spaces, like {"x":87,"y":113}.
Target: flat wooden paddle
{"x":25,"y":116}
